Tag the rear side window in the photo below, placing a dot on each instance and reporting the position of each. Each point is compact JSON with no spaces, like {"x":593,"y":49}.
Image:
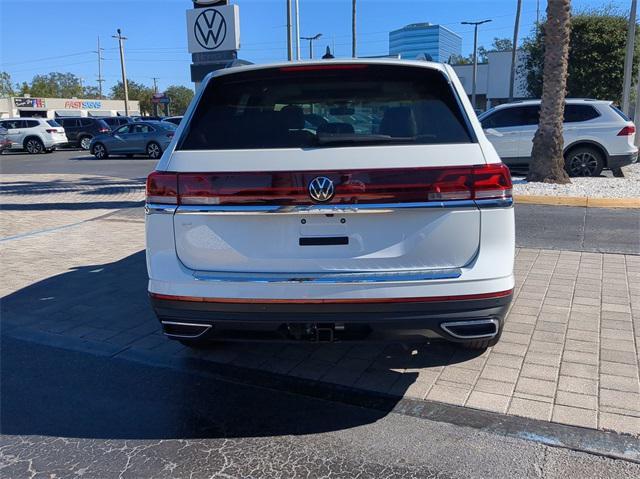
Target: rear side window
{"x":333,"y":105}
{"x":86,"y":121}
{"x":53,"y":123}
{"x":31,"y":123}
{"x":576,"y":113}
{"x":621,"y":113}
{"x":505,"y":118}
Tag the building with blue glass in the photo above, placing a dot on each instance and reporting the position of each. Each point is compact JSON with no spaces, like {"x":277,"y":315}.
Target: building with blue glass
{"x":434,"y":41}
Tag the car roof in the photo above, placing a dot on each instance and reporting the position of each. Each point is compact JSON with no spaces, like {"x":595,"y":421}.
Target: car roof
{"x":26,"y":118}
{"x":569,"y":101}
{"x":349,"y":61}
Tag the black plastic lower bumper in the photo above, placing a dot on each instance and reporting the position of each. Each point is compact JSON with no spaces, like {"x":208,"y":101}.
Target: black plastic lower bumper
{"x":346,"y":320}
{"x":617,"y":161}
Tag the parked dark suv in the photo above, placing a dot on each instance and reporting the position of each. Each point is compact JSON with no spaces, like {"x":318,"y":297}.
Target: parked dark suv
{"x":80,"y":131}
{"x":116,"y":121}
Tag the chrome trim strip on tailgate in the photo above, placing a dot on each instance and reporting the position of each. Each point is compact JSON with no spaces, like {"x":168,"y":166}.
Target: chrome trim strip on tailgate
{"x":159,"y":209}
{"x":320,"y":209}
{"x":347,"y":277}
{"x":154,"y":208}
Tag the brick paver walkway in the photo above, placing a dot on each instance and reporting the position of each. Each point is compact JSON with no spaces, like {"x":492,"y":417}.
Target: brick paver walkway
{"x":569,"y":352}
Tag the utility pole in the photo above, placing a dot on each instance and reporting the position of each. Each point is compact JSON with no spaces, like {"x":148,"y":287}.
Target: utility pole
{"x":516,"y":27}
{"x":100,"y":79}
{"x":537,"y":17}
{"x":353,"y":29}
{"x":628,"y":60}
{"x":124,"y":71}
{"x":155,"y":90}
{"x":311,"y":39}
{"x":298,"y":29}
{"x":289,"y":33}
{"x":475,"y":57}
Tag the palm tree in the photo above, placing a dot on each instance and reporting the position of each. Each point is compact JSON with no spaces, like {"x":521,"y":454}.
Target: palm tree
{"x":547,"y":163}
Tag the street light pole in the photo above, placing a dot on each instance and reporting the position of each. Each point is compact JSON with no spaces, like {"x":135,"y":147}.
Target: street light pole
{"x":353,"y":29}
{"x":298,"y":29}
{"x":628,"y":60}
{"x":124,"y":71}
{"x":311,"y":39}
{"x":289,"y":33}
{"x":516,"y":27}
{"x":475,"y":57}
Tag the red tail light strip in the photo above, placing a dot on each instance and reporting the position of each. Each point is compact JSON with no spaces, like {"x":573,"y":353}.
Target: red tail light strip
{"x":405,"y":185}
{"x":627,"y":130}
{"x":428,"y":299}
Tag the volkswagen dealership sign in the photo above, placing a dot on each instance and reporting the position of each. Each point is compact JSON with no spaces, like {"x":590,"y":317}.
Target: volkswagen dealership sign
{"x":213,"y":29}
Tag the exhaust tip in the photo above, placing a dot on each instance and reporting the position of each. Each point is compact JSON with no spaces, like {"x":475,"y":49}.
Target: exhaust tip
{"x":184,"y":330}
{"x":477,"y":329}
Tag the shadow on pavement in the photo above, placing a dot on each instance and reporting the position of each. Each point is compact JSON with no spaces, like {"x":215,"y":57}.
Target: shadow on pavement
{"x":60,"y":392}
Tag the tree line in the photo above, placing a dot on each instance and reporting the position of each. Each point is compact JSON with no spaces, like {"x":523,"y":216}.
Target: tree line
{"x":597,"y":43}
{"x":68,"y":85}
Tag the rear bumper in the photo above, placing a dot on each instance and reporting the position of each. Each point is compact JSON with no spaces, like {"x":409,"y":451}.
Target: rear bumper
{"x":456,"y":320}
{"x":617,"y":161}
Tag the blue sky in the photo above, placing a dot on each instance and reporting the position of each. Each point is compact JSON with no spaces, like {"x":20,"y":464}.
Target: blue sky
{"x":39,"y":36}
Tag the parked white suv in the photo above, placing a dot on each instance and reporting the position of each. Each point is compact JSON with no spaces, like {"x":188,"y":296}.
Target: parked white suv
{"x":596,"y":135}
{"x":392,"y":213}
{"x":35,"y":135}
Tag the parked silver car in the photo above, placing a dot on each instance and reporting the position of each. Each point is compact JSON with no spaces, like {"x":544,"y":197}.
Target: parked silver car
{"x":148,"y":138}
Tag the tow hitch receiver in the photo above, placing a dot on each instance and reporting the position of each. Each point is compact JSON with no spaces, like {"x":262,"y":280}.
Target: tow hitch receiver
{"x":315,"y":332}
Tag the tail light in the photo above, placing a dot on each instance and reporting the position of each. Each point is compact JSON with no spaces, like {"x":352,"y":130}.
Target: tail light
{"x":104,"y":130}
{"x":407,"y":185}
{"x":162,"y":187}
{"x":627,"y":130}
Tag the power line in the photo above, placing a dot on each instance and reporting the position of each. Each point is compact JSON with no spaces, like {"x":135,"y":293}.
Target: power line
{"x":47,"y":58}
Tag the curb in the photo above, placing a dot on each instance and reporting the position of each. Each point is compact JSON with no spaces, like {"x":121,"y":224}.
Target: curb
{"x":583,"y":201}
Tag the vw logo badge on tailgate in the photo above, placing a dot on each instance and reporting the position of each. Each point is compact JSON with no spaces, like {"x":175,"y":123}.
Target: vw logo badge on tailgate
{"x":321,"y":189}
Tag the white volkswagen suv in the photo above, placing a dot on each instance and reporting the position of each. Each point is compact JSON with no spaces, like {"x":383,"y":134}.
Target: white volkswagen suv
{"x":596,"y":135}
{"x":331,"y":200}
{"x":35,"y":135}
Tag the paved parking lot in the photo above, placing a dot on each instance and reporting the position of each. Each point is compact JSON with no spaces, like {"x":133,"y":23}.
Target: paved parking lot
{"x":73,"y":263}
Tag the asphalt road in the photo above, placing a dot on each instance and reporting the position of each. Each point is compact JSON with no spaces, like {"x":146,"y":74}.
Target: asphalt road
{"x":75,"y":162}
{"x":68,"y":413}
{"x":551,"y":227}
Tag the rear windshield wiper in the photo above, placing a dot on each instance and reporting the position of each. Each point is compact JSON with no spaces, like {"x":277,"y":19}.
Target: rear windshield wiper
{"x":370,"y":139}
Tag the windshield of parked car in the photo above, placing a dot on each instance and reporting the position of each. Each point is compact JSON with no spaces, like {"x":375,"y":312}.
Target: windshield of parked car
{"x":326,"y":105}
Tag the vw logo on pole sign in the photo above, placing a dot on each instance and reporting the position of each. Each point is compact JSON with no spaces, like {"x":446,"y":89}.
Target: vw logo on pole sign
{"x":210,"y":29}
{"x":321,"y":189}
{"x":213,"y":29}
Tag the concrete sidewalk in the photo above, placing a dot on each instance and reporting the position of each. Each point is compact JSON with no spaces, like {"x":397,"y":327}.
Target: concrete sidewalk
{"x":569,"y":353}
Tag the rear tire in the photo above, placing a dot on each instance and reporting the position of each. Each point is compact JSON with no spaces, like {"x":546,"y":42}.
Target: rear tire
{"x":34,"y":146}
{"x":85,"y":142}
{"x":584,"y":161}
{"x":482,"y":344}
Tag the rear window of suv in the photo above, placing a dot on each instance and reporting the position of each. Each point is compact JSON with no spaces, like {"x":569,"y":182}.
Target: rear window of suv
{"x":333,"y":105}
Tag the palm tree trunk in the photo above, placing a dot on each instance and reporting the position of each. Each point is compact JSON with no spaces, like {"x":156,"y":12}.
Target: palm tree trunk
{"x":547,"y":162}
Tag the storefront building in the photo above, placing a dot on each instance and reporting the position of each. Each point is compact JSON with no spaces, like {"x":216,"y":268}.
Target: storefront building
{"x":58,"y":107}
